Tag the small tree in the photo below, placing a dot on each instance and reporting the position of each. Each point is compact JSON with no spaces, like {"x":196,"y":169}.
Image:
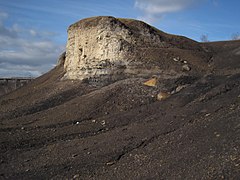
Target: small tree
{"x":235,"y":36}
{"x":204,"y":38}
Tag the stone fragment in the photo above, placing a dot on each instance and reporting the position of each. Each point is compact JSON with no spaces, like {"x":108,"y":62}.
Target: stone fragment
{"x":151,"y":82}
{"x":179,"y":88}
{"x":186,"y":67}
{"x":103,"y":122}
{"x":76,"y":176}
{"x":208,"y":114}
{"x":162,"y":95}
{"x":175,"y":59}
{"x":110,"y":163}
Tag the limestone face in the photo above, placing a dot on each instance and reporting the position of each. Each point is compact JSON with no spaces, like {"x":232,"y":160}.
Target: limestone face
{"x":103,"y":46}
{"x":96,"y":51}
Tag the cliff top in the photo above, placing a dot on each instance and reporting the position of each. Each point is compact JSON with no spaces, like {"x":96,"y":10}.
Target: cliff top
{"x":136,"y":27}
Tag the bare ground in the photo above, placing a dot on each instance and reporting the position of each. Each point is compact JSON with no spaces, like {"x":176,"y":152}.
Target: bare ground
{"x":55,"y":129}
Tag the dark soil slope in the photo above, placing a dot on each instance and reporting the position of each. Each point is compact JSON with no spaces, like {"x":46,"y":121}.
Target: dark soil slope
{"x":63,"y":129}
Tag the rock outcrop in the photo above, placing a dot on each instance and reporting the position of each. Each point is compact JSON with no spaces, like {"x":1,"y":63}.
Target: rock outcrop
{"x":103,"y":46}
{"x":107,"y":47}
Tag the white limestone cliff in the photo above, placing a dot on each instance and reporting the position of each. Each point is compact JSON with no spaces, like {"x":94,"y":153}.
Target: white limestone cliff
{"x":103,"y":46}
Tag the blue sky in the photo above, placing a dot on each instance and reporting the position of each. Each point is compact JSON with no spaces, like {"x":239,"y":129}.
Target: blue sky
{"x":33,"y":33}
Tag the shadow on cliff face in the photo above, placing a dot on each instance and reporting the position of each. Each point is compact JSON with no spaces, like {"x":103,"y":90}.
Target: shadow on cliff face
{"x":124,"y":129}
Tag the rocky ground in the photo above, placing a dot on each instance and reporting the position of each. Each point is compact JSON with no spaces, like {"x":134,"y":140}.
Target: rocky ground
{"x":70,"y":129}
{"x":10,"y":84}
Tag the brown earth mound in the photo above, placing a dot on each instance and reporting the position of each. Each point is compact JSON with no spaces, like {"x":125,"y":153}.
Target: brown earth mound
{"x":58,"y":128}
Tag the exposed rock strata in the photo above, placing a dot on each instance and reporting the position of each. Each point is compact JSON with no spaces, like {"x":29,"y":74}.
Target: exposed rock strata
{"x":105,"y":46}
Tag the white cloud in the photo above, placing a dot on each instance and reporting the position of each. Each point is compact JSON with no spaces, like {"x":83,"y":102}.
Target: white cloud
{"x":155,"y":9}
{"x":33,"y":32}
{"x":3,"y":15}
{"x":42,"y":34}
{"x":26,"y":51}
{"x":8,"y":70}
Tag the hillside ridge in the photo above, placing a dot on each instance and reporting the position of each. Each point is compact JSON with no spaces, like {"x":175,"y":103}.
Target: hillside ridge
{"x":111,"y":48}
{"x":151,"y":111}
